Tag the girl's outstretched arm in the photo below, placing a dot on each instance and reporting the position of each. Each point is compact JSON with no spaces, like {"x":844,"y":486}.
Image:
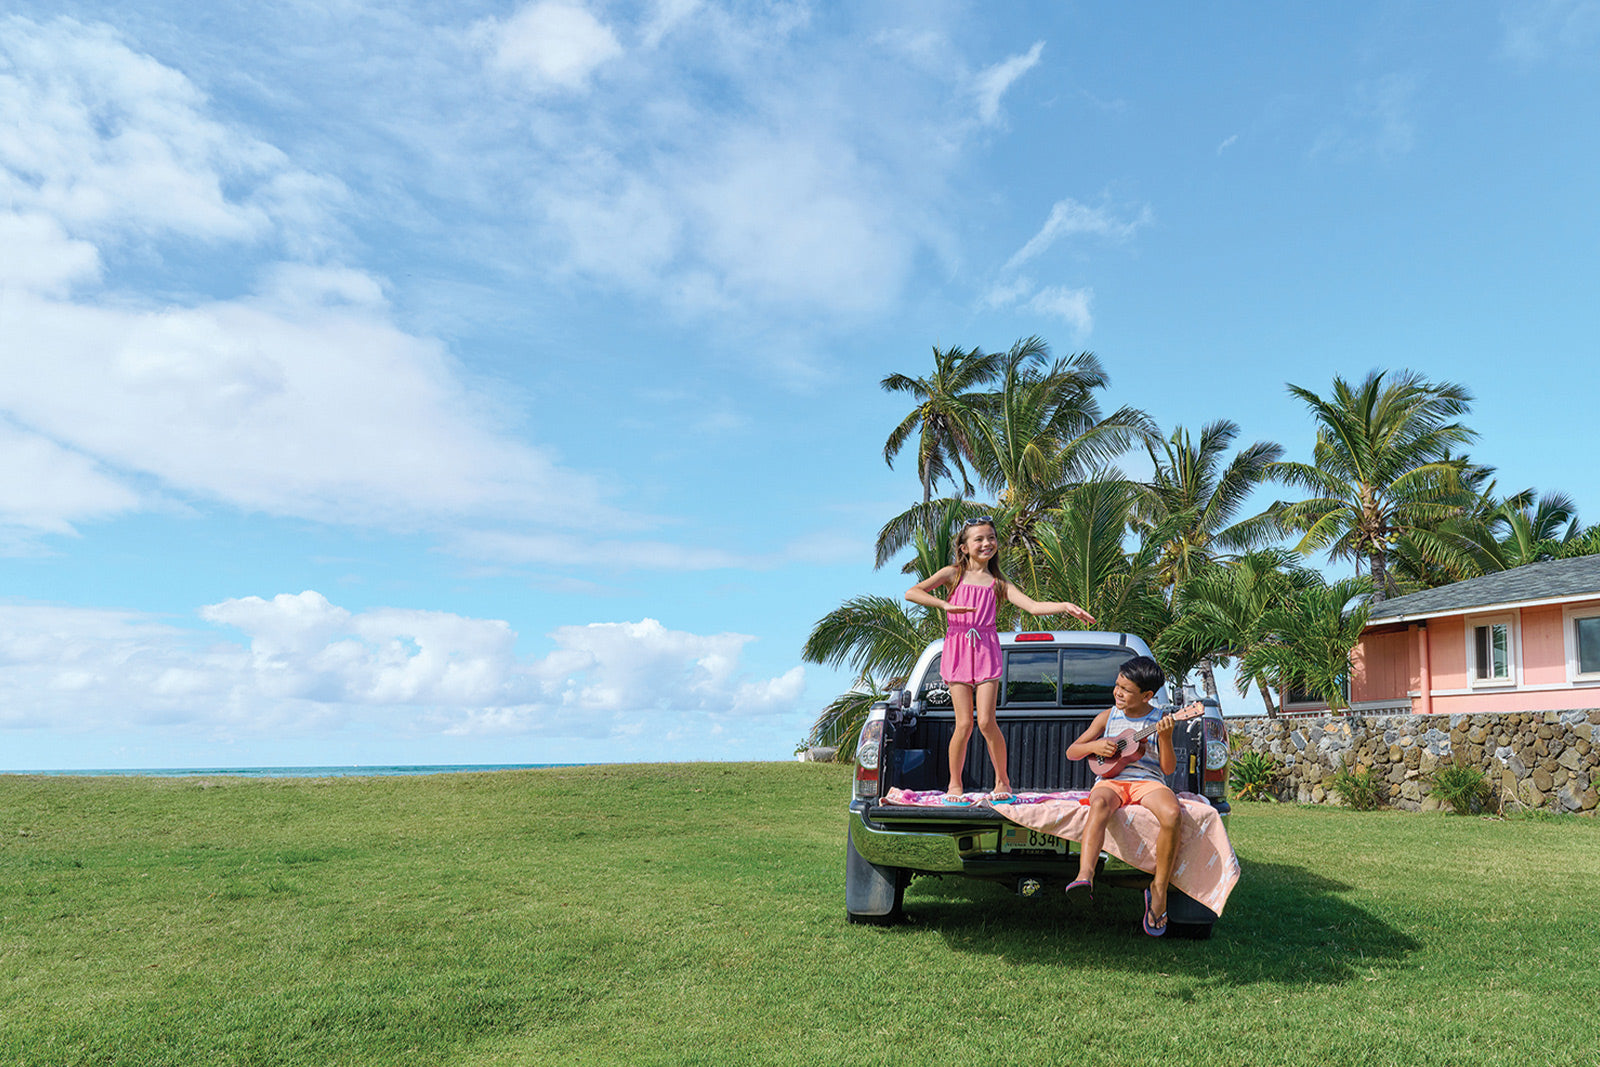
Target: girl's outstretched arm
{"x":1047,"y":607}
{"x":922,"y":592}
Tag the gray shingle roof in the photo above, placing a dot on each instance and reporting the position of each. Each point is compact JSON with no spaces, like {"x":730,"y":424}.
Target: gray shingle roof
{"x":1550,"y":580}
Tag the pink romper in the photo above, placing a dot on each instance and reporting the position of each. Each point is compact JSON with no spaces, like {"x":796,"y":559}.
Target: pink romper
{"x":971,"y":645}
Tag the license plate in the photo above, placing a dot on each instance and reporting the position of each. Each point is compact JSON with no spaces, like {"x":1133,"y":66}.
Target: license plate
{"x":1022,"y":839}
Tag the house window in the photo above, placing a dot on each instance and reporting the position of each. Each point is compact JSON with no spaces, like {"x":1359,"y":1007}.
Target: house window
{"x":1583,"y":644}
{"x":1491,"y":651}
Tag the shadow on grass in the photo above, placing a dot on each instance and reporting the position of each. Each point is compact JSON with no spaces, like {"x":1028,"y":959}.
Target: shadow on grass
{"x":1282,"y":924}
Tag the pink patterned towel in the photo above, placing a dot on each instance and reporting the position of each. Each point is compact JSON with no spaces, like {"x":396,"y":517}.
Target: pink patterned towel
{"x":1206,"y":867}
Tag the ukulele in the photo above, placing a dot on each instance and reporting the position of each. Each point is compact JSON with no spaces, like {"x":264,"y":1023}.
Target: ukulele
{"x":1130,"y":744}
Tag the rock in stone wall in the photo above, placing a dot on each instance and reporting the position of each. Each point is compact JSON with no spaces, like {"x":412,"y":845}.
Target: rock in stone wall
{"x":1546,"y":760}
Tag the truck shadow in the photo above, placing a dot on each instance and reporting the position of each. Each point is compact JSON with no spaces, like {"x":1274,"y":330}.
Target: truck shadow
{"x":1282,"y":924}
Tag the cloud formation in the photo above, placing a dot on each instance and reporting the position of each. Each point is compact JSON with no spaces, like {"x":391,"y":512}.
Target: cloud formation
{"x":1068,"y":218}
{"x":992,"y":82}
{"x":551,"y":44}
{"x":308,"y":665}
{"x":1538,"y":30}
{"x":301,"y":397}
{"x":1378,"y":120}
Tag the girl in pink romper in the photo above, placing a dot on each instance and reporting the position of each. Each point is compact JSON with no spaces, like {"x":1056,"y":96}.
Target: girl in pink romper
{"x":971,"y":662}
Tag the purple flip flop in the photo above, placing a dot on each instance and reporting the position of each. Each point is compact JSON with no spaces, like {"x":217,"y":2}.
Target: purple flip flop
{"x":1157,"y":928}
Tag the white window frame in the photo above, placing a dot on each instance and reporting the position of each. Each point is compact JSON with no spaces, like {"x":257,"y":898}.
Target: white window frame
{"x":1569,"y":634}
{"x":1513,"y":676}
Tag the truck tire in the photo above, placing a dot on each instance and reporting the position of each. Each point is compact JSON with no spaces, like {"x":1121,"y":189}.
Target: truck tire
{"x":872,"y":894}
{"x":1188,"y":918}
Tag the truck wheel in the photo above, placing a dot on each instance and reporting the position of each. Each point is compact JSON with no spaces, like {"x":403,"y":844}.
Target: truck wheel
{"x":1187,"y":917}
{"x":872,"y":894}
{"x":1190,"y":931}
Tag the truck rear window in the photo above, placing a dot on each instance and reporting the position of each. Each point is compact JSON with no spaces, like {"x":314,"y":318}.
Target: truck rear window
{"x":1089,"y":674}
{"x":1069,"y":677}
{"x":1035,"y":677}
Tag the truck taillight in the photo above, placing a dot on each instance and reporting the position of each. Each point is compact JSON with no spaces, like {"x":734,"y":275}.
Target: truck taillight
{"x":868,"y":752}
{"x":1214,"y":783}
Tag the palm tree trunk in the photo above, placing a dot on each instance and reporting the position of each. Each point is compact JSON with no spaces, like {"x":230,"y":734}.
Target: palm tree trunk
{"x":1208,"y":677}
{"x":1266,"y":698}
{"x":1380,"y":574}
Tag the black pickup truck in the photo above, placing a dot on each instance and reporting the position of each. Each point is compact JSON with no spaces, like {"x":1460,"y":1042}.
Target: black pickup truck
{"x":1054,"y":684}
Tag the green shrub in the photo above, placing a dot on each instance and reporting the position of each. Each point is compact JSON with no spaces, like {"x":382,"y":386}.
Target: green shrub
{"x":1253,"y":774}
{"x":1464,"y":787}
{"x":1359,"y":789}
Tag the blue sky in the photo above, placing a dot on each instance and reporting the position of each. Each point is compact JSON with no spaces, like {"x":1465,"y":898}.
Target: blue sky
{"x":484,"y":382}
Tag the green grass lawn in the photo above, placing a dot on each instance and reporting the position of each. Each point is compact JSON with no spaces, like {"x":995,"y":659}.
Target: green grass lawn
{"x":693,"y":914}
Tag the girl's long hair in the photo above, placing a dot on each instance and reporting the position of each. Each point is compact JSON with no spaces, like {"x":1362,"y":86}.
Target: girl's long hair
{"x":994,"y":561}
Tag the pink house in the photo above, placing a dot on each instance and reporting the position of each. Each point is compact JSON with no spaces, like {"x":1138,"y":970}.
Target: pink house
{"x":1522,"y":640}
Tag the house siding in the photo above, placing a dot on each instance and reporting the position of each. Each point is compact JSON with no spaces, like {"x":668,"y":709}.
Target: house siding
{"x":1387,"y":666}
{"x":1447,"y":649}
{"x":1544,"y":651}
{"x":1384,"y":668}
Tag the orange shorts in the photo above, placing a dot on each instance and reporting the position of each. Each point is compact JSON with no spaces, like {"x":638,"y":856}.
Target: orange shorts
{"x":1130,"y":791}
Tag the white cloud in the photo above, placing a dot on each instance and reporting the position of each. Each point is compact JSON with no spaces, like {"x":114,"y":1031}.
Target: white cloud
{"x":796,"y":220}
{"x":813,"y":191}
{"x":991,"y":83}
{"x":610,"y":555}
{"x":1536,"y":30}
{"x":108,"y":141}
{"x":1069,"y":305}
{"x":666,"y":16}
{"x":551,"y":44}
{"x":1069,"y":218}
{"x":1378,"y":120}
{"x":44,"y":488}
{"x":303,"y":398}
{"x":299,"y":404}
{"x":1004,"y":294}
{"x":41,"y":257}
{"x":309,"y":665}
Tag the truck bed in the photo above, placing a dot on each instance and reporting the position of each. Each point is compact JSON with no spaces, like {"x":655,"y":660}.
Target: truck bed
{"x":1037,"y":749}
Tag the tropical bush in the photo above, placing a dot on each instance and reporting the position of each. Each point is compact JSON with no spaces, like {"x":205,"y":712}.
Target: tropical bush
{"x":1254,"y":775}
{"x":1464,"y":787}
{"x":1360,"y":789}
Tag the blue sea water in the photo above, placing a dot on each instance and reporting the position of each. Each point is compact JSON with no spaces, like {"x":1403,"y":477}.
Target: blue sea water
{"x":301,"y":772}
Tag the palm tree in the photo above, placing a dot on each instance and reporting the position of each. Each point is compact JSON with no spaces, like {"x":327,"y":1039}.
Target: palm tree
{"x":1309,"y":638}
{"x":1530,"y":528}
{"x":1043,"y":433}
{"x":1032,"y":439}
{"x":1456,"y":543}
{"x":943,"y":418}
{"x":1194,"y":498}
{"x":1381,"y":466}
{"x":878,"y":637}
{"x":1490,"y":535}
{"x":1082,"y":557}
{"x":839,"y":724}
{"x":1221,"y":614}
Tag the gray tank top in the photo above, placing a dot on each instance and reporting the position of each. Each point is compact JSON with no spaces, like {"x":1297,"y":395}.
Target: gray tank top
{"x":1148,"y":766}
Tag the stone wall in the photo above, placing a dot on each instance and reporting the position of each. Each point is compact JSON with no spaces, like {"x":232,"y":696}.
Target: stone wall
{"x":1549,"y":760}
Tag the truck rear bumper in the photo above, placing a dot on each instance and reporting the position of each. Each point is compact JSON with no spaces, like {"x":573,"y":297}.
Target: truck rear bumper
{"x":935,"y":852}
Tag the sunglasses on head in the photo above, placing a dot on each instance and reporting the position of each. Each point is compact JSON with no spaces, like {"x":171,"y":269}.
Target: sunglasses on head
{"x":981,"y":520}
